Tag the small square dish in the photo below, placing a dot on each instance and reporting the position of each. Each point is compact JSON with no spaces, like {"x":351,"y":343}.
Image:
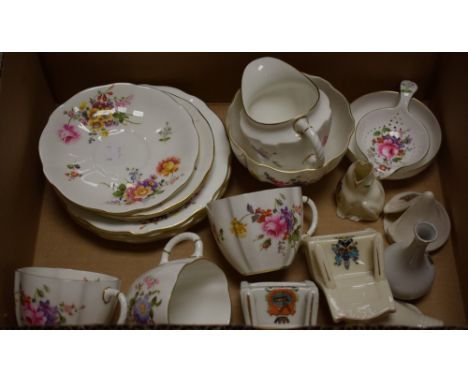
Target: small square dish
{"x":348,"y":267}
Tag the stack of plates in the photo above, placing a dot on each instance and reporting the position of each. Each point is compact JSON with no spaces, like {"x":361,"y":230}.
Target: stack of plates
{"x":135,"y":163}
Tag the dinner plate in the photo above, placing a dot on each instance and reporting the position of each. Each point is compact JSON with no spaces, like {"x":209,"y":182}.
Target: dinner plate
{"x":119,"y":149}
{"x":182,"y":218}
{"x":384,"y":99}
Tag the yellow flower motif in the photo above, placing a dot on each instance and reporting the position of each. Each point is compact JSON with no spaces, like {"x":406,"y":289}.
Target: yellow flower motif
{"x":97,"y":118}
{"x":104,"y":132}
{"x":83,"y":105}
{"x":142,"y":192}
{"x":168,"y":166}
{"x":238,"y":229}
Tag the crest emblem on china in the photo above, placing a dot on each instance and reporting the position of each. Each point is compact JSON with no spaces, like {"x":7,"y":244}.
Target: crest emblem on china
{"x":345,"y":251}
{"x":281,"y":303}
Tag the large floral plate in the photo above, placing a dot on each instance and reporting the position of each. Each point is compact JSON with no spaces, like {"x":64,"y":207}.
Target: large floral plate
{"x":203,"y":166}
{"x":184,"y":217}
{"x":119,"y":148}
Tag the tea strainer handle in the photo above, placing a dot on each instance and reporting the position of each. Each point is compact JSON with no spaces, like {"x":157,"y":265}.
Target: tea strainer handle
{"x":178,"y":239}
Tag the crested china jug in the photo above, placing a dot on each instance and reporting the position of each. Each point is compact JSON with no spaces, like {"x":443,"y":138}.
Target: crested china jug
{"x":285,"y":116}
{"x":359,"y":194}
{"x":409,"y":268}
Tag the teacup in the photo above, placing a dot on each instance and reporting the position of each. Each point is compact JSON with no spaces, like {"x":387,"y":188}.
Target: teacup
{"x":261,"y":231}
{"x":191,"y":291}
{"x":63,"y":297}
{"x":279,"y":305}
{"x":285,"y":116}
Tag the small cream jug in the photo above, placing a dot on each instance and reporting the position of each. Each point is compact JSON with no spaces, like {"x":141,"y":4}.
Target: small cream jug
{"x":285,"y":116}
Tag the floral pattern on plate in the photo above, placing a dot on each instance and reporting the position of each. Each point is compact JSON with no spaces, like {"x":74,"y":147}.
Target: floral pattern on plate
{"x":345,"y":251}
{"x":136,"y":188}
{"x":280,"y":224}
{"x":390,"y":144}
{"x":37,"y":310}
{"x":74,"y":171}
{"x":141,"y":305}
{"x":98,"y":115}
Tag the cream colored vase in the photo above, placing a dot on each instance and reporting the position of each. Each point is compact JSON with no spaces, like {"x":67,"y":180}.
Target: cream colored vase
{"x":359,"y":194}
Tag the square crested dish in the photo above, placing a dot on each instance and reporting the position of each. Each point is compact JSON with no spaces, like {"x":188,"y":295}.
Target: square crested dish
{"x":348,"y":267}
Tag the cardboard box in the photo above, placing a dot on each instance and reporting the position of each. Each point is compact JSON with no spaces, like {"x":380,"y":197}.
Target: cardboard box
{"x":36,"y":230}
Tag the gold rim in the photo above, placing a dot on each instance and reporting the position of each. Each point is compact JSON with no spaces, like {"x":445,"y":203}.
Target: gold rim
{"x":291,"y":172}
{"x":291,"y":119}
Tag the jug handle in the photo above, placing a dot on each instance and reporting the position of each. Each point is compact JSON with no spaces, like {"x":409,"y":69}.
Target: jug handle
{"x":112,"y":292}
{"x":318,"y":155}
{"x":178,"y":239}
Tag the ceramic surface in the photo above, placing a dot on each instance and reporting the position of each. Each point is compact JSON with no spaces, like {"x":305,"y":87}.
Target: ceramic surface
{"x":261,"y":231}
{"x":359,"y":195}
{"x":408,"y":267}
{"x":391,"y":138}
{"x":284,"y":111}
{"x":202,"y":167}
{"x":48,"y":297}
{"x":349,"y":268}
{"x":191,"y":291}
{"x":386,"y":99}
{"x":186,"y":216}
{"x":342,"y":127}
{"x":119,"y":148}
{"x":279,"y":305}
{"x":419,"y":207}
{"x":407,"y":315}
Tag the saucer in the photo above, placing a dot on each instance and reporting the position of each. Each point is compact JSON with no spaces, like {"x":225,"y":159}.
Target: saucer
{"x":184,"y":217}
{"x":202,"y":167}
{"x":119,"y":148}
{"x":385,"y":99}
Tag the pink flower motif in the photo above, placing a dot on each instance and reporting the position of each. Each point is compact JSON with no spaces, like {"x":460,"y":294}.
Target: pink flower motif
{"x":34,"y":317}
{"x":68,"y":134}
{"x":150,"y":282}
{"x":388,"y":149}
{"x":124,"y":102}
{"x":275,"y":226}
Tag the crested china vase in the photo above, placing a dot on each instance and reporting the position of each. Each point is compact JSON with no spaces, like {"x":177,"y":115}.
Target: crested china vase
{"x":408,"y":267}
{"x":359,"y":194}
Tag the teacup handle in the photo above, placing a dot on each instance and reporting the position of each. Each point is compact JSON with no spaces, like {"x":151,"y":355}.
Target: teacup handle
{"x":112,"y":292}
{"x":178,"y":239}
{"x":313,"y":224}
{"x":302,"y":126}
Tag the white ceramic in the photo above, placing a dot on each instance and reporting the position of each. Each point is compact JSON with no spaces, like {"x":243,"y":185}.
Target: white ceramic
{"x":279,"y":305}
{"x":407,"y":315}
{"x":119,"y":148}
{"x":349,"y":268}
{"x":359,"y":195}
{"x":184,"y":217}
{"x":424,"y":207}
{"x":392,"y":138}
{"x":408,"y":267}
{"x":261,"y":231}
{"x":386,"y":99}
{"x":400,"y":202}
{"x":284,"y":111}
{"x":191,"y":291}
{"x":49,"y":297}
{"x":342,"y":127}
{"x":202,"y":167}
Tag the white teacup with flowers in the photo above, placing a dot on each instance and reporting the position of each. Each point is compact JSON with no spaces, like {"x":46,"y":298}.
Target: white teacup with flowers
{"x":261,"y":231}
